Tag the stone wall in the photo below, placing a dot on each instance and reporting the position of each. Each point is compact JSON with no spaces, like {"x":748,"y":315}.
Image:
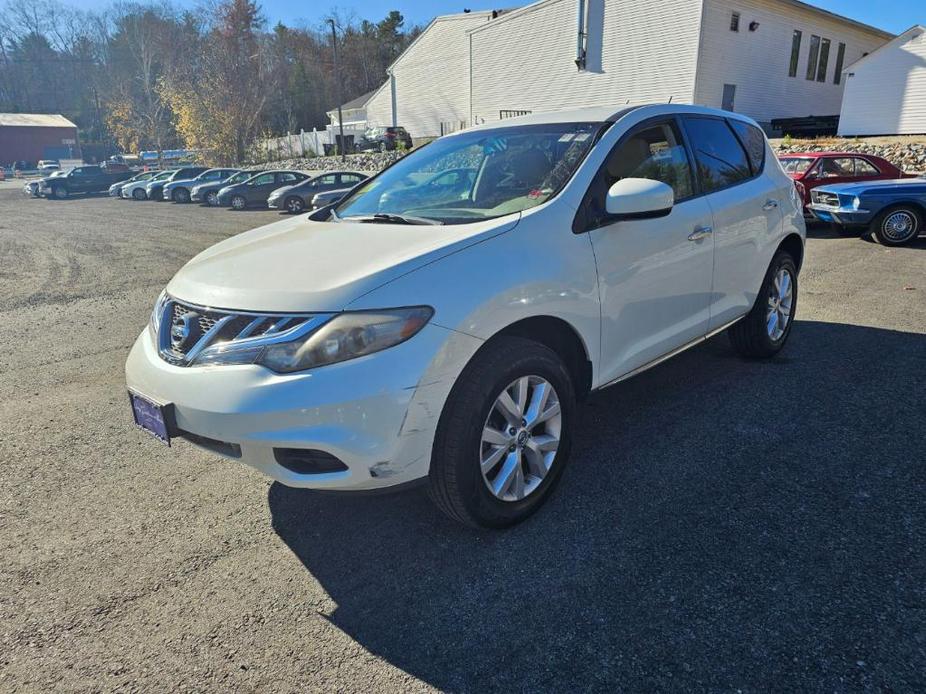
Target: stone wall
{"x":907,"y":154}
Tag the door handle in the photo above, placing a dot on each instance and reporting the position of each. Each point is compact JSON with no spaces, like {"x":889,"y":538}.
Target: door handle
{"x":770,"y":205}
{"x":700,"y":233}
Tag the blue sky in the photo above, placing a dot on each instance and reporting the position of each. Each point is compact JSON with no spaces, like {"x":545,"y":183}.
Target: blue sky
{"x":892,"y":15}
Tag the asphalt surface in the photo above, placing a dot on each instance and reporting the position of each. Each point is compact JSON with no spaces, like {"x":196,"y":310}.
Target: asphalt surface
{"x":723,"y":525}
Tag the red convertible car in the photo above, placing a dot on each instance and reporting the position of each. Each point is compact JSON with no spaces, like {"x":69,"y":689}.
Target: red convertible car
{"x":814,"y":169}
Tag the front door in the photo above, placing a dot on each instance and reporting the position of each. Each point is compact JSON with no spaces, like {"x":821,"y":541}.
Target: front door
{"x":654,"y":275}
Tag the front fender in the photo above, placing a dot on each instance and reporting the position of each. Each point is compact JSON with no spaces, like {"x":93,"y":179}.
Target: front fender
{"x":539,"y":268}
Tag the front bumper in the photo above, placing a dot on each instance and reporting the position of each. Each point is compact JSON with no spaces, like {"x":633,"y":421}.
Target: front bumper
{"x":166,"y":194}
{"x":197,"y":195}
{"x":844,"y":216}
{"x":376,"y":414}
{"x":274,"y":203}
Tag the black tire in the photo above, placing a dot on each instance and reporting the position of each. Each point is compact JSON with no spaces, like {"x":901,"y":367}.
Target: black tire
{"x":294,"y":204}
{"x":212,"y":198}
{"x":139,"y":194}
{"x":181,"y":195}
{"x":238,"y":202}
{"x":456,"y":482}
{"x":885,"y":230}
{"x":845,"y":231}
{"x":59,"y":193}
{"x":750,"y":336}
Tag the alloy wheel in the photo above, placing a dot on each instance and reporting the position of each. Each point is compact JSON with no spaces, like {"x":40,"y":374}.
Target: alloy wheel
{"x":212,"y":199}
{"x":780,"y":303}
{"x":520,"y":438}
{"x":238,"y":202}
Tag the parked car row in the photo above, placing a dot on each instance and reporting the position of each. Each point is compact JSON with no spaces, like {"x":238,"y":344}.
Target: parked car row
{"x":859,"y":193}
{"x":288,"y":190}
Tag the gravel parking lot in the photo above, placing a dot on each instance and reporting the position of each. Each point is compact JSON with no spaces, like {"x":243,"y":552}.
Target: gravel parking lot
{"x":724,"y":524}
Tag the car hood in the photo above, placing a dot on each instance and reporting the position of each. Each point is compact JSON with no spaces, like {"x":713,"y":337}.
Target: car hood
{"x":233,"y":188}
{"x":297,"y":265}
{"x":904,"y":185}
{"x":281,"y":191}
{"x":178,"y":182}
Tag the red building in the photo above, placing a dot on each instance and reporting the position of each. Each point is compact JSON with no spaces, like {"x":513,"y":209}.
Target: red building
{"x":33,"y":136}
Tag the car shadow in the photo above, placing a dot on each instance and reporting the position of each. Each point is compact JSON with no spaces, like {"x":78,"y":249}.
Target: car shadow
{"x":723,"y":524}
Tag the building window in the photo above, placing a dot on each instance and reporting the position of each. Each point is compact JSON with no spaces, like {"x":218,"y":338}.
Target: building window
{"x":728,"y":101}
{"x":824,"y":60}
{"x":840,"y":58}
{"x":795,"y":53}
{"x":813,"y":56}
{"x":735,"y":21}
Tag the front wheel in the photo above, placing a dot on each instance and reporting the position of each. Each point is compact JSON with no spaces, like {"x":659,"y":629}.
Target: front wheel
{"x":503,"y":438}
{"x":765,"y":329}
{"x":897,"y":225}
{"x":181,"y":195}
{"x":238,"y":202}
{"x":59,"y":192}
{"x":139,"y":194}
{"x":212,"y":199}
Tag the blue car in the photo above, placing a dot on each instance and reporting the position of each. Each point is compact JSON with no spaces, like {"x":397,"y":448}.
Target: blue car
{"x":894,"y":212}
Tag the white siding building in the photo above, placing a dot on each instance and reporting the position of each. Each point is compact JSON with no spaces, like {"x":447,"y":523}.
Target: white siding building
{"x":765,"y":58}
{"x":428,"y":88}
{"x":886,"y":91}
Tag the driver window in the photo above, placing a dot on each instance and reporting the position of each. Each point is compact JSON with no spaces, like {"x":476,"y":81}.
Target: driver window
{"x":262,"y":180}
{"x":655,"y":152}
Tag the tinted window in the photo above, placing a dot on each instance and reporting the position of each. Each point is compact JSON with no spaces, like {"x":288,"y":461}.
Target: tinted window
{"x":262,"y":180}
{"x":287,"y":177}
{"x":655,"y":152}
{"x":720,"y":160}
{"x":795,"y":53}
{"x":754,"y":141}
{"x":351,"y":178}
{"x":812,"y":58}
{"x":328,"y":180}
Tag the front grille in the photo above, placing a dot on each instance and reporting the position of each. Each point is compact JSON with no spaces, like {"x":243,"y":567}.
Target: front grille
{"x":824,"y":198}
{"x":187,"y":332}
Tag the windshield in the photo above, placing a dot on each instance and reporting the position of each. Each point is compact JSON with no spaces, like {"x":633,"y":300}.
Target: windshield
{"x":796,"y":165}
{"x":163,"y":175}
{"x":475,"y":175}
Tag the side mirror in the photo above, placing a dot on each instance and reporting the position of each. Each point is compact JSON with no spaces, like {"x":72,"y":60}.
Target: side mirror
{"x":639,"y":198}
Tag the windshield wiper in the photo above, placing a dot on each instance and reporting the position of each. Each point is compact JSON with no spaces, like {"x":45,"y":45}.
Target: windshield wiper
{"x":384,"y":218}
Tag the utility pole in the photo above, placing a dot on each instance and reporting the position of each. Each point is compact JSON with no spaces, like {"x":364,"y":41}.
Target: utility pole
{"x":337,"y":84}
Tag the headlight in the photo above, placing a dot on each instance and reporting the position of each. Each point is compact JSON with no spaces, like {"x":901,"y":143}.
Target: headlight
{"x":346,"y":336}
{"x":154,"y":324}
{"x":856,"y":202}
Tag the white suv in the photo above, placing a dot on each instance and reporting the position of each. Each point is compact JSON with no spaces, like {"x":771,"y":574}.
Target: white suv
{"x":442,"y":328}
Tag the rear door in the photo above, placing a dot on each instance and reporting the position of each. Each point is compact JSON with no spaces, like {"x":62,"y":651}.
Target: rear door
{"x":730,"y":159}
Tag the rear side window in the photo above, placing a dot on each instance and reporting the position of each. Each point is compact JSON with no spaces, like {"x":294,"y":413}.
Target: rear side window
{"x":753,"y":140}
{"x":865,"y":168}
{"x":720,"y":159}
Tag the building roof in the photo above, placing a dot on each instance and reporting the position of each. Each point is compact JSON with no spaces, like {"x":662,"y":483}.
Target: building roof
{"x":898,"y":40}
{"x":797,"y":4}
{"x":359,"y":102}
{"x":35,"y":120}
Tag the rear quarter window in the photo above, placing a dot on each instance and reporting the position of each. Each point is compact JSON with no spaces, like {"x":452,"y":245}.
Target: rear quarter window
{"x":753,"y":141}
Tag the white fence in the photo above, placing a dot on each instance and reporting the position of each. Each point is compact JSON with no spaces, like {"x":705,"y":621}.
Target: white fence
{"x":294,"y":146}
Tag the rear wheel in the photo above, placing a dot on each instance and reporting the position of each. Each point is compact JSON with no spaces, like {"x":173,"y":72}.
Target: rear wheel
{"x":765,"y":329}
{"x":181,"y":195}
{"x":59,"y":192}
{"x":238,"y":202}
{"x":294,"y":205}
{"x":504,"y":436}
{"x":898,"y":225}
{"x":139,"y":194}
